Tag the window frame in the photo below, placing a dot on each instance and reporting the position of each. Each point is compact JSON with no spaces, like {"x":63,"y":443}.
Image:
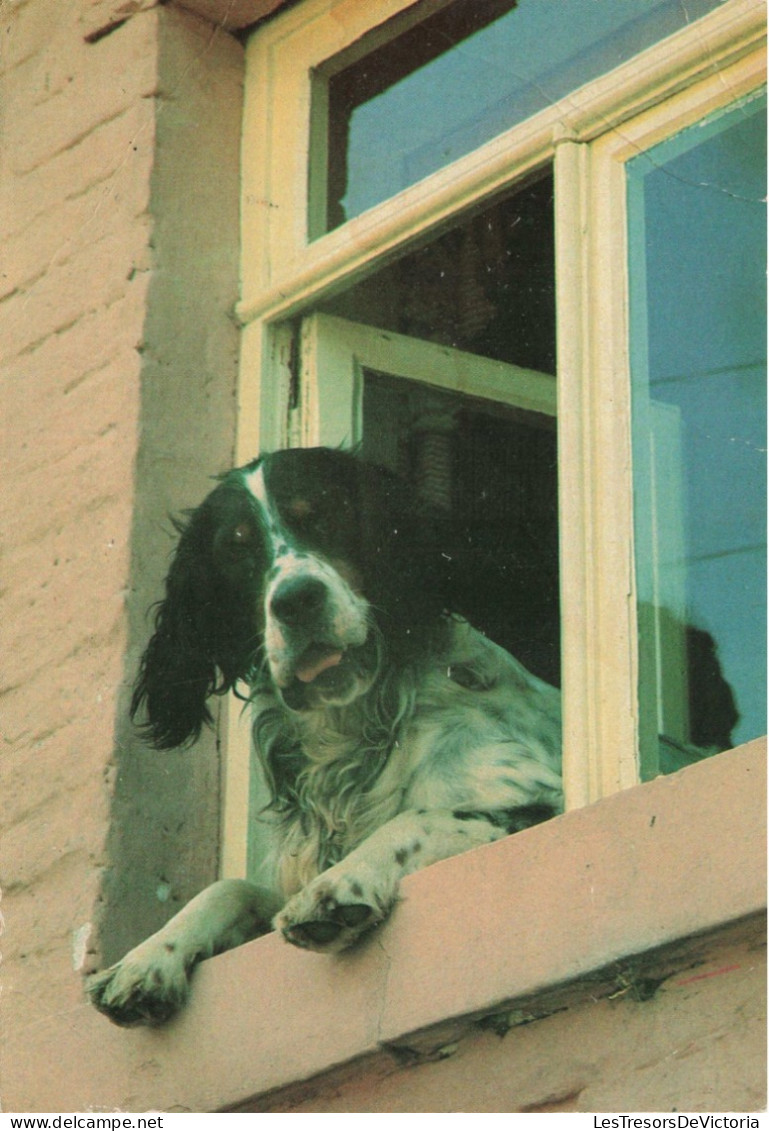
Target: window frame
{"x":601,"y":714}
{"x":587,"y":138}
{"x":330,"y":413}
{"x":659,"y":458}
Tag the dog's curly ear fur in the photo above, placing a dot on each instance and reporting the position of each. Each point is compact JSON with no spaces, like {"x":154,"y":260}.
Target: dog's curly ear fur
{"x":177,"y":671}
{"x":204,"y":639}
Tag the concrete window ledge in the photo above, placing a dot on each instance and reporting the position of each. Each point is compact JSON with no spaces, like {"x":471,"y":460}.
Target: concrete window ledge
{"x":598,"y":906}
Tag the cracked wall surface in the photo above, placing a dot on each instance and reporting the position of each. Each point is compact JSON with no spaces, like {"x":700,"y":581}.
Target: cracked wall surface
{"x":595,"y":1046}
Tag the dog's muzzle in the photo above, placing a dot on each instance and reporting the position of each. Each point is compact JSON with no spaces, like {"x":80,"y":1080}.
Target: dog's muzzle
{"x":316,"y":630}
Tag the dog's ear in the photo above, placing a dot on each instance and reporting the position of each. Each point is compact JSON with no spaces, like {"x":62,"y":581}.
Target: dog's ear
{"x":177,"y":672}
{"x":205,"y":637}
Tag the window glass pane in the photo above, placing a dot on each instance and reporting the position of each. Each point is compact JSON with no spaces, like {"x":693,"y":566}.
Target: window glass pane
{"x":493,"y":468}
{"x":486,"y":286}
{"x":697,"y":233}
{"x":463,"y":76}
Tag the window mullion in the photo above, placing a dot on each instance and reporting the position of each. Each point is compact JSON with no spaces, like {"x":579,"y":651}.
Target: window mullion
{"x":599,"y":633}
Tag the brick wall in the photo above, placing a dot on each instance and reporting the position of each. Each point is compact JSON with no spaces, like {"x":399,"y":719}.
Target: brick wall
{"x":118,"y":355}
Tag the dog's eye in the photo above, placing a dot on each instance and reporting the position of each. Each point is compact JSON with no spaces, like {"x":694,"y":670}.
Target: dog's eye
{"x":243,"y":534}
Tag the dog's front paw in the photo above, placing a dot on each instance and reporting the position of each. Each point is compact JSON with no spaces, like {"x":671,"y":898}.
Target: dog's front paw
{"x":146,"y":987}
{"x":333,"y":911}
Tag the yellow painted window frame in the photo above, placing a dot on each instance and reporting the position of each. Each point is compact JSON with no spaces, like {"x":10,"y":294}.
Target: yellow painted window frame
{"x":587,"y":137}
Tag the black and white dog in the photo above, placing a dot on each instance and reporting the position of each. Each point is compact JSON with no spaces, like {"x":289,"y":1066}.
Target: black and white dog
{"x":392,"y":733}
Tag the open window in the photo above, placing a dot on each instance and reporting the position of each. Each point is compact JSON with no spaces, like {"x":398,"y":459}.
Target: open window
{"x":429,"y":256}
{"x":477,"y":438}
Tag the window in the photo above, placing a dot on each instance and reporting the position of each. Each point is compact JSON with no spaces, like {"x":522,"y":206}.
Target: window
{"x":696,"y":218}
{"x":473,"y":70}
{"x":427,"y":313}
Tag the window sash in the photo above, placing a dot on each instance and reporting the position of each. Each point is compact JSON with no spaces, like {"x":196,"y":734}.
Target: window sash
{"x":588,"y":137}
{"x":599,"y":607}
{"x":336,"y":352}
{"x":282,"y":271}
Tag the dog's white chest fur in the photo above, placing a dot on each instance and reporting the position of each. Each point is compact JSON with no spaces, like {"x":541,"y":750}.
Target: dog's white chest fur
{"x":478,"y":733}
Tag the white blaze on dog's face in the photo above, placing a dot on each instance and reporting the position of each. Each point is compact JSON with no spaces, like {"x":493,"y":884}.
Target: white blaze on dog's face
{"x":314,"y":620}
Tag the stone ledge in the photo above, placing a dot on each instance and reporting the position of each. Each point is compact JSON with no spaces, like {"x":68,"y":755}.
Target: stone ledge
{"x":508,"y":923}
{"x":597,"y":1044}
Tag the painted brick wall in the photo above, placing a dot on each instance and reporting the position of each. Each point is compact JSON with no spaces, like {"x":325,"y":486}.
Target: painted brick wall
{"x":78,"y":129}
{"x":118,"y":356}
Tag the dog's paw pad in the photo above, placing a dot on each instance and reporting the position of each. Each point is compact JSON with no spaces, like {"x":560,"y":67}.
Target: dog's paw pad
{"x":341,"y":923}
{"x":354,"y":914}
{"x":329,"y":915}
{"x":315,"y":934}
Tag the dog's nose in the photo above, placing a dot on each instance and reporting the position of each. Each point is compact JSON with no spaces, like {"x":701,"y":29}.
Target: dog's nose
{"x":297,"y":598}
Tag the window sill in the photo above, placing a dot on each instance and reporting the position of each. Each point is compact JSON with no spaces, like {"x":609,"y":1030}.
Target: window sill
{"x":534,"y":920}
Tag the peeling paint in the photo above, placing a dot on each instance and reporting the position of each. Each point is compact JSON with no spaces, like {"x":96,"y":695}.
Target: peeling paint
{"x":80,"y":940}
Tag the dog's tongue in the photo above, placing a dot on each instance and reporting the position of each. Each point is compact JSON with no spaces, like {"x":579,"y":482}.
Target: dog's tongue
{"x":315,"y":660}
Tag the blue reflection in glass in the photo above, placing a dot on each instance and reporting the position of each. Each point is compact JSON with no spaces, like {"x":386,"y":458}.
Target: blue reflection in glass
{"x":522,"y":62}
{"x":697,"y":229}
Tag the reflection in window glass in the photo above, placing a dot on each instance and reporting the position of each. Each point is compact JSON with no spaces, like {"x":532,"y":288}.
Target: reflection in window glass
{"x":697,"y":234}
{"x":493,"y":469}
{"x":485,"y":286}
{"x":463,"y":76}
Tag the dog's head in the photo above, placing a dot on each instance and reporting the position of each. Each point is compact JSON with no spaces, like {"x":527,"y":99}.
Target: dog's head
{"x":308,"y":563}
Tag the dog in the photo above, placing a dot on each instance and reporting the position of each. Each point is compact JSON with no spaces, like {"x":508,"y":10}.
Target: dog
{"x":392,"y":734}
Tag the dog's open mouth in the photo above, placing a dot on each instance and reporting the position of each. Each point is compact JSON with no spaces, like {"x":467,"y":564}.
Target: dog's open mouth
{"x":316,"y":660}
{"x":324,"y":673}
